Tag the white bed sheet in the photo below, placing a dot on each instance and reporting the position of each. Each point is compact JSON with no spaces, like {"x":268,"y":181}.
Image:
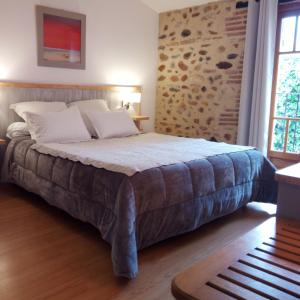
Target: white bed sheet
{"x":130,"y":155}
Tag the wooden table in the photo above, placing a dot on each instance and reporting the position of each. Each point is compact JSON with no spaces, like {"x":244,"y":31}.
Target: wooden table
{"x":3,"y":145}
{"x":288,"y":202}
{"x":262,"y":264}
{"x":138,"y":119}
{"x":3,"y":142}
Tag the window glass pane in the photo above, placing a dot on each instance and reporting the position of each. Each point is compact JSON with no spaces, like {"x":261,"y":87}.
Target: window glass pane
{"x":288,"y":86}
{"x":298,"y":35}
{"x":292,"y":105}
{"x":278,"y":137}
{"x":293,"y":145}
{"x":280,"y":107}
{"x":287,"y":34}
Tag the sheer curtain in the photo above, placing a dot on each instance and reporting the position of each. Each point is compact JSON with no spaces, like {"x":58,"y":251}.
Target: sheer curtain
{"x":256,"y":87}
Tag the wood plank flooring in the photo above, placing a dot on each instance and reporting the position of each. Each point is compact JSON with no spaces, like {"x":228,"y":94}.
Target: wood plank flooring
{"x":45,"y":254}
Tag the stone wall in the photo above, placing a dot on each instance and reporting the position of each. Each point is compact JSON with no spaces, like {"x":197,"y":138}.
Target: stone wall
{"x":200,"y":70}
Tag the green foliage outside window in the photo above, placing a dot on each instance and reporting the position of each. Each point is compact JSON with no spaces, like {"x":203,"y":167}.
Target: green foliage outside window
{"x":287,"y":103}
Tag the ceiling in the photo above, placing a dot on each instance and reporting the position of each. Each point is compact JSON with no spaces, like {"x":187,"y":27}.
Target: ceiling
{"x":167,"y":5}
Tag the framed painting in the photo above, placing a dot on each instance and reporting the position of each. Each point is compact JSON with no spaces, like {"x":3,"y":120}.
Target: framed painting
{"x":61,"y":38}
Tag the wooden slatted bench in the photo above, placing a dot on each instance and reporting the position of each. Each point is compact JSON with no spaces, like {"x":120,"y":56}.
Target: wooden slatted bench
{"x":289,"y":192}
{"x":262,"y":264}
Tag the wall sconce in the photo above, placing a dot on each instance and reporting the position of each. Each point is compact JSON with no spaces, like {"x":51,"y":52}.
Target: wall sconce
{"x":3,"y":73}
{"x":129,"y":99}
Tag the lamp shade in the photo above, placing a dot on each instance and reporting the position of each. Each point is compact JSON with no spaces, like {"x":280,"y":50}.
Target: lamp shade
{"x":131,"y":97}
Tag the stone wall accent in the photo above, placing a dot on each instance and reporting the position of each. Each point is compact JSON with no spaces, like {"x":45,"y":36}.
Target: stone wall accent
{"x":200,"y":70}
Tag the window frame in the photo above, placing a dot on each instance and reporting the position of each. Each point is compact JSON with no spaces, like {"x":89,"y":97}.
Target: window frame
{"x":284,"y":10}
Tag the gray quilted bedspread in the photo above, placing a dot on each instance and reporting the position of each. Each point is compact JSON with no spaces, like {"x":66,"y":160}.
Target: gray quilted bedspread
{"x":132,"y":213}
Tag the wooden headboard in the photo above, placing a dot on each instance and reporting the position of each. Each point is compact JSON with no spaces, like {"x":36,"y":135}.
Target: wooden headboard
{"x":13,"y":92}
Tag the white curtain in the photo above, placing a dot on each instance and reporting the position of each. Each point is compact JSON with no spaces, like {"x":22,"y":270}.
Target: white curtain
{"x":256,"y":87}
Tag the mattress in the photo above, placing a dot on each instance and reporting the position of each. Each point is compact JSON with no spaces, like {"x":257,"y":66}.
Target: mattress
{"x":134,"y":212}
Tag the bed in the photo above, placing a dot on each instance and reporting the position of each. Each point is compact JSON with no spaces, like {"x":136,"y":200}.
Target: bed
{"x":137,"y":209}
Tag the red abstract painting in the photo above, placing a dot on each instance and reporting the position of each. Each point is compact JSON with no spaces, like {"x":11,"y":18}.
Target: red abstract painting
{"x":62,"y":39}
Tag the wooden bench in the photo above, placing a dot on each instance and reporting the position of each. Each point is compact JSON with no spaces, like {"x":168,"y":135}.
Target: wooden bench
{"x":262,"y":264}
{"x":288,"y":203}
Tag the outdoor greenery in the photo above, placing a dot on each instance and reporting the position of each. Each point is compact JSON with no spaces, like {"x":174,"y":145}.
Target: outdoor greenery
{"x":287,"y":103}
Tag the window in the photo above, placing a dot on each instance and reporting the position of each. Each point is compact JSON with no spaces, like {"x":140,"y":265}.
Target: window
{"x":284,"y":141}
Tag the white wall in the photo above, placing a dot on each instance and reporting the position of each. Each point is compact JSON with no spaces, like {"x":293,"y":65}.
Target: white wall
{"x":121,"y":45}
{"x":167,"y":5}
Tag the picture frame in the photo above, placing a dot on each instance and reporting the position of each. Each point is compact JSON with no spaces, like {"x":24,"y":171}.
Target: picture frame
{"x":61,"y":38}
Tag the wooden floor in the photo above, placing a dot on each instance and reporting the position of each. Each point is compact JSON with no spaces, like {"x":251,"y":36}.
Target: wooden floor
{"x":45,"y":254}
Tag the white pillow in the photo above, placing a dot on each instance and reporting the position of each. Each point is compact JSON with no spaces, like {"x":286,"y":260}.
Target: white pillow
{"x":17,"y":129}
{"x":65,"y":126}
{"x":85,"y":106}
{"x":37,"y":107}
{"x":112,"y":124}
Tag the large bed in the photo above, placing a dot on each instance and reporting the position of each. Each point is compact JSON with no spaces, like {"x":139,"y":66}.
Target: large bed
{"x":133,"y":210}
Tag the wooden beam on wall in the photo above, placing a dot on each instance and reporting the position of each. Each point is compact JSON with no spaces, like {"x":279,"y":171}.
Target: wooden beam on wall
{"x":32,"y":85}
